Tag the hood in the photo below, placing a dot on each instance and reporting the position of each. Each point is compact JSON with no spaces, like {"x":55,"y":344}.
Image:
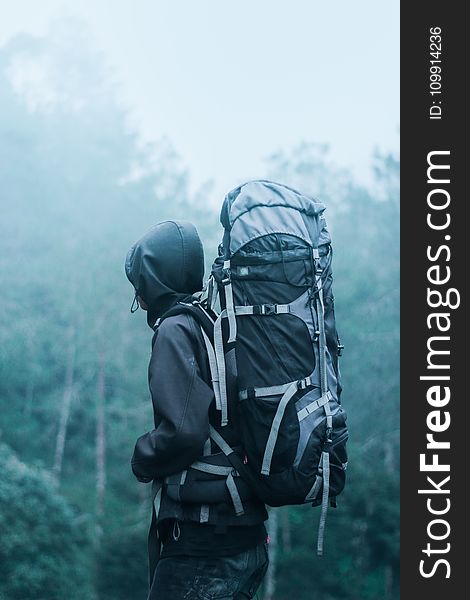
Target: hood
{"x":165,"y":266}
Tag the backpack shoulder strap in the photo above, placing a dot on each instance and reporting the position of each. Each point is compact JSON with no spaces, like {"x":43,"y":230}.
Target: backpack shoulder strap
{"x":205,"y":318}
{"x":203,"y":315}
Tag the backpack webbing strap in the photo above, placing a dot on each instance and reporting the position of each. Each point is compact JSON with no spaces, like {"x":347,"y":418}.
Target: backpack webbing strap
{"x":176,"y":481}
{"x":213,"y":369}
{"x":236,"y":462}
{"x":211,"y":330}
{"x":229,"y":313}
{"x":212,"y":293}
{"x":219,"y":440}
{"x":204,"y":513}
{"x":220,"y":362}
{"x":275,"y":390}
{"x":324,"y":502}
{"x":201,"y":314}
{"x":212,"y":469}
{"x":234,"y":495}
{"x":232,"y":321}
{"x":329,"y":422}
{"x":321,"y":322}
{"x":322,"y":341}
{"x":307,"y":410}
{"x":325,"y":457}
{"x":325,"y":475}
{"x":225,"y":471}
{"x":314,"y":489}
{"x":230,"y":482}
{"x":207,"y":320}
{"x":274,"y":431}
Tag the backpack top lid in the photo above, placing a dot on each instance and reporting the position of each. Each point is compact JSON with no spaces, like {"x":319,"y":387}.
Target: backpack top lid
{"x":261,"y":207}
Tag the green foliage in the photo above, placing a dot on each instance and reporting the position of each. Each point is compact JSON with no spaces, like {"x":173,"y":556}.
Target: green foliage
{"x":43,"y":548}
{"x":120,"y":573}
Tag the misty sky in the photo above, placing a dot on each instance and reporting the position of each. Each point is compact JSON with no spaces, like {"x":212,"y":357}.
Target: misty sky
{"x":229,"y":83}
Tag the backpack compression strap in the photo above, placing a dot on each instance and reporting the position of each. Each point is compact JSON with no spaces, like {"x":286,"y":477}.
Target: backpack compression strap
{"x":325,"y":455}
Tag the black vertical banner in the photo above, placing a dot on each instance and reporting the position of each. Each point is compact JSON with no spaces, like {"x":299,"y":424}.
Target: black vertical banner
{"x":435,"y":237}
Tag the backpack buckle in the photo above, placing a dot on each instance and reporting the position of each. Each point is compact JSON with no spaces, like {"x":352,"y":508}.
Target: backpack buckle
{"x":316,"y":261}
{"x":302,"y":384}
{"x":227,"y":276}
{"x":268,"y":309}
{"x":328,"y":442}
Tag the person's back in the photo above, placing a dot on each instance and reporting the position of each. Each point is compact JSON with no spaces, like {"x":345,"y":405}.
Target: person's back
{"x":207,"y":549}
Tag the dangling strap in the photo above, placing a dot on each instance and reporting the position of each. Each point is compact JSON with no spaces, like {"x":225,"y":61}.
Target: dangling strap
{"x":326,"y":477}
{"x":325,"y":459}
{"x":213,"y":369}
{"x":234,"y":495}
{"x":232,"y":321}
{"x":220,"y":363}
{"x":229,"y":312}
{"x":210,"y":290}
{"x":215,"y":294}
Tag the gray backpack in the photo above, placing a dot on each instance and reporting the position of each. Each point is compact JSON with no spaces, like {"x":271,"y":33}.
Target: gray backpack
{"x":275,"y":347}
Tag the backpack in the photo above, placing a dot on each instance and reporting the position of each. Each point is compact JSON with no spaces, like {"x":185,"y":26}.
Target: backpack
{"x":275,"y":342}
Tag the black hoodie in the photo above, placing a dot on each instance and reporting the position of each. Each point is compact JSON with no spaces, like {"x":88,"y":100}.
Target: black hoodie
{"x":165,"y":266}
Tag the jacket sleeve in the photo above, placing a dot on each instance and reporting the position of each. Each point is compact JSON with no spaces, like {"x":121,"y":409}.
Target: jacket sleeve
{"x":181,"y":400}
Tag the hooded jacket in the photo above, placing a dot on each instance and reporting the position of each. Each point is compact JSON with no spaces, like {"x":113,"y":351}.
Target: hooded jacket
{"x":166,"y":266}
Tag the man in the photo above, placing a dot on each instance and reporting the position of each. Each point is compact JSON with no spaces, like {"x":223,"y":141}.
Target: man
{"x":208,"y":551}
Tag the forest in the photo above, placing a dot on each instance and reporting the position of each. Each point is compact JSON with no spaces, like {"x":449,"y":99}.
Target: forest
{"x":77,"y":188}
